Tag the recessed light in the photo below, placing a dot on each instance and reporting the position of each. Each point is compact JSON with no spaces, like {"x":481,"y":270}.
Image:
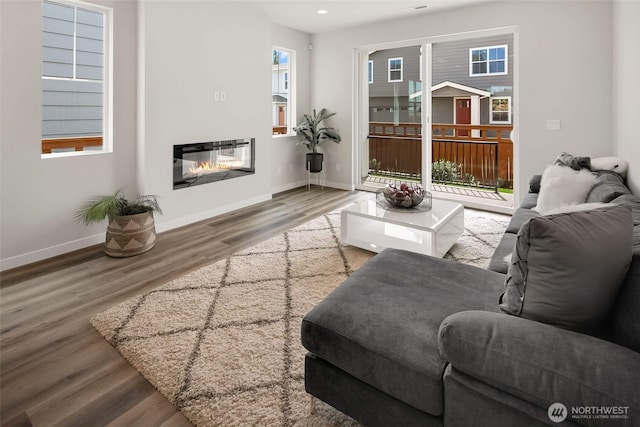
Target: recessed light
{"x":322,"y":12}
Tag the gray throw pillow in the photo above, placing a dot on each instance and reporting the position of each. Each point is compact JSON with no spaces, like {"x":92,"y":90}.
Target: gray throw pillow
{"x":574,"y":162}
{"x":566,"y":269}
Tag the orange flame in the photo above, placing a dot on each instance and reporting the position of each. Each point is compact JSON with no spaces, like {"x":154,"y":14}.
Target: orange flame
{"x":202,"y":167}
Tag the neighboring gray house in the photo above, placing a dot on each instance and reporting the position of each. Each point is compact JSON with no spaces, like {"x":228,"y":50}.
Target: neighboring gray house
{"x":394,"y":85}
{"x":280,"y":81}
{"x":72,"y":72}
{"x":472,"y":82}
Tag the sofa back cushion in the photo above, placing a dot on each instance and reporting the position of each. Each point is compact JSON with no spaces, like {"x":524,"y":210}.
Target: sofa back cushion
{"x":626,"y":313}
{"x":633,"y":201}
{"x":566,"y":269}
{"x":608,"y":186}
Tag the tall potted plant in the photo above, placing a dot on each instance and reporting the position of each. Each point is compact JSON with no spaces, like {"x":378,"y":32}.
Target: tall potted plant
{"x":131,"y":230}
{"x":313,"y":134}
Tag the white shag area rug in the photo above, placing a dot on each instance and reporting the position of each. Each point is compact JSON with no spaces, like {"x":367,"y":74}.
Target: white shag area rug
{"x":222,"y":343}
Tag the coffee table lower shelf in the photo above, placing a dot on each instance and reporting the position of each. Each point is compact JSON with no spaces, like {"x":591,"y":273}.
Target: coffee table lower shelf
{"x":368,"y":226}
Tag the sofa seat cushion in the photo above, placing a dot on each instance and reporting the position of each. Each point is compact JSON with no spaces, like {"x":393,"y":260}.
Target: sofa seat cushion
{"x":505,"y":247}
{"x":381,"y":325}
{"x":542,"y":364}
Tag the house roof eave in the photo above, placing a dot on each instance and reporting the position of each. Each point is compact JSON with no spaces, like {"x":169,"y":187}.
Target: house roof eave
{"x":472,"y":90}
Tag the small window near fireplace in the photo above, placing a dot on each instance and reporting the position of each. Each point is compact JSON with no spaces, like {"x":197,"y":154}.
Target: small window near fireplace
{"x":206,"y":162}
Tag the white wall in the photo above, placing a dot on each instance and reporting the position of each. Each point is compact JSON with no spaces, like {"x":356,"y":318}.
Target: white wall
{"x":163,"y":96}
{"x":287,"y":160}
{"x":626,"y":87}
{"x":40,"y":196}
{"x":564,"y":69}
{"x":190,"y":50}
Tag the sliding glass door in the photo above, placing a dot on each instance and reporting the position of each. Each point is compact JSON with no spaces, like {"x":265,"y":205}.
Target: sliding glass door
{"x":472,"y":100}
{"x":391,"y":115}
{"x":441,"y":113}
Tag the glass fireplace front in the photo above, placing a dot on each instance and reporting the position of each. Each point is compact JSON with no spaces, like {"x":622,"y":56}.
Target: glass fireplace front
{"x":205,"y":162}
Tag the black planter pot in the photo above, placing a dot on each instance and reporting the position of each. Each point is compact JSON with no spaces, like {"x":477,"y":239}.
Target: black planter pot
{"x":314,"y":162}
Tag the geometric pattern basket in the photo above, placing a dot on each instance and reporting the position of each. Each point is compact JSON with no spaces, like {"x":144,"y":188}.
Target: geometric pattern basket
{"x":130,"y":235}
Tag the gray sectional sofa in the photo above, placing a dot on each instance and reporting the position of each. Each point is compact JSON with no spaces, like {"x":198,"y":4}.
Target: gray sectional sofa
{"x":430,"y":347}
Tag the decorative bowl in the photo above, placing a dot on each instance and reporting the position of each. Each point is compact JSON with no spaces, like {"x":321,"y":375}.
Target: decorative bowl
{"x":403,"y":195}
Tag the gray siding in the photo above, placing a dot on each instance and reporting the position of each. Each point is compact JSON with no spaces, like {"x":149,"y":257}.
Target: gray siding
{"x":451,"y":63}
{"x":410,"y":71}
{"x":72,"y":106}
{"x":442,"y":110}
{"x":381,"y":92}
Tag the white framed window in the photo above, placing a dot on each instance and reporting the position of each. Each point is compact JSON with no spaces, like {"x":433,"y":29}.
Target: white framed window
{"x":370,"y":71}
{"x":491,"y":60}
{"x":500,"y":110}
{"x":282,"y":90}
{"x":395,"y":70}
{"x":76,"y":78}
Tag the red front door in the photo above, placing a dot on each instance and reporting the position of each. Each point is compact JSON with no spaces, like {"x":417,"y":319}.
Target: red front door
{"x":463,"y":115}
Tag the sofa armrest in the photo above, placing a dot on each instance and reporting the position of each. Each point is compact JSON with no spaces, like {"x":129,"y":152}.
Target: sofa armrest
{"x":540,"y":363}
{"x":534,"y":184}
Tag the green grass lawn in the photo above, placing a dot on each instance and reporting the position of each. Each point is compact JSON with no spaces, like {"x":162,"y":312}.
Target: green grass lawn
{"x":406,"y":179}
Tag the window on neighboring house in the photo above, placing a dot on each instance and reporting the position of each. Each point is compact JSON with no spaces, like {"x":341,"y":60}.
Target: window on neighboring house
{"x":501,"y":110}
{"x":282,"y":90}
{"x":76,"y":78}
{"x":488,"y":60}
{"x":370,"y":71}
{"x":395,"y":70}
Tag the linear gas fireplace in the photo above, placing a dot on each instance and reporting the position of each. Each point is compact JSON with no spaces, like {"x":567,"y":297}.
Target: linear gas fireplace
{"x":205,"y":162}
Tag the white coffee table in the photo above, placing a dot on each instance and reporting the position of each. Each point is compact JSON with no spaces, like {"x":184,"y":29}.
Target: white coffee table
{"x":369,"y":226}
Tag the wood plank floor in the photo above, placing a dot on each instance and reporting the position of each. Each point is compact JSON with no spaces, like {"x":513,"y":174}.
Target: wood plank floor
{"x":56,"y":370}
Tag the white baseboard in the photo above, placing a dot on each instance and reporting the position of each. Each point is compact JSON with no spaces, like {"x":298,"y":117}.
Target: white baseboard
{"x":314,"y":182}
{"x":63,"y":248}
{"x":340,"y":185}
{"x":40,"y":254}
{"x":289,"y":186}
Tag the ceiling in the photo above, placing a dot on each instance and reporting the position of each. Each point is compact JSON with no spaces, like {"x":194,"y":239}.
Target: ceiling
{"x":302,"y":14}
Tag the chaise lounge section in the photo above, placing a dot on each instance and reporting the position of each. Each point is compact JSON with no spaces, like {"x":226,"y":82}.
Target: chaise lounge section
{"x":412,"y":340}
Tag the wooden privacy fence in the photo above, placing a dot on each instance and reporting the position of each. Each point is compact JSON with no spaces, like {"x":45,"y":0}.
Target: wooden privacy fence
{"x":482,"y":151}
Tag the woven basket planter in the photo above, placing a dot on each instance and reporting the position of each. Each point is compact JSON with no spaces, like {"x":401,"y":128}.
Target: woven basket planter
{"x":130,"y":235}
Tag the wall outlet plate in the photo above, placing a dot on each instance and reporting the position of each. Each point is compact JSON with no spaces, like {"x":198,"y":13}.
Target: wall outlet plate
{"x":553,"y":124}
